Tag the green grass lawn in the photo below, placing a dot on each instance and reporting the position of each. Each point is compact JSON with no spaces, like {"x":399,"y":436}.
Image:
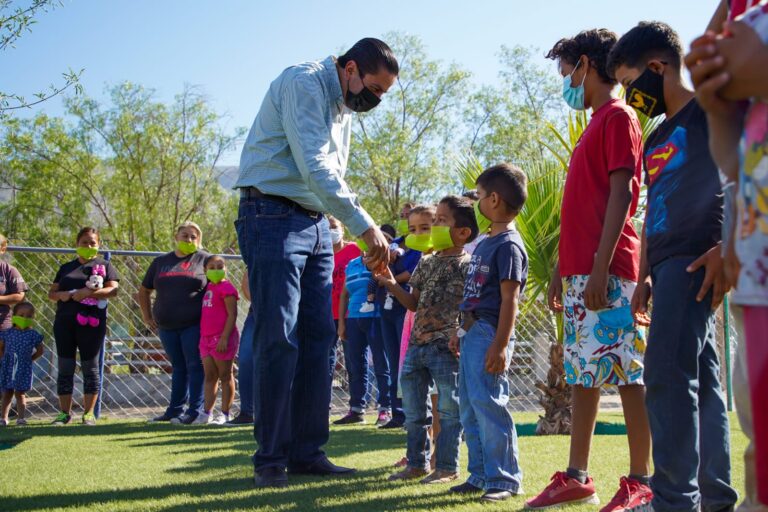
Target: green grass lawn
{"x":129,"y":465}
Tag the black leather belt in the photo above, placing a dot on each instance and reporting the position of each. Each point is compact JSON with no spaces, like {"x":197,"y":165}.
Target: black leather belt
{"x":254,"y":193}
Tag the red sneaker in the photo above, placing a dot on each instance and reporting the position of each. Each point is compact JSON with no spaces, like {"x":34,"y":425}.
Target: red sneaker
{"x":564,"y":490}
{"x":631,"y":496}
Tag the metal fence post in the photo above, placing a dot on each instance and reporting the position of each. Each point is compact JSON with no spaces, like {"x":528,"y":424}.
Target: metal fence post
{"x":727,"y":343}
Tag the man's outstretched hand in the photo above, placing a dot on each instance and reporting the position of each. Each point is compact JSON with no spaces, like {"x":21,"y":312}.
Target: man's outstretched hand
{"x":378,"y":247}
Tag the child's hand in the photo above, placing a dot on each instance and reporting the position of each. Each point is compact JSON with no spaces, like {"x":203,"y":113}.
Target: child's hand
{"x":639,"y":304}
{"x":708,"y":75}
{"x":496,"y":359}
{"x":746,"y":58}
{"x":342,"y":332}
{"x":555,"y":293}
{"x":714,"y":275}
{"x":453,"y":346}
{"x":221,"y":347}
{"x":596,"y":291}
{"x":384,"y":276}
{"x":731,"y":264}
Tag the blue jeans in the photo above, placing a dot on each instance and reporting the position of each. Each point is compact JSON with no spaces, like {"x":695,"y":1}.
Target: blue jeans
{"x":183,"y":348}
{"x":424,"y":364}
{"x":290,"y":261}
{"x":392,"y":332}
{"x":686,"y":409}
{"x":245,"y":365}
{"x":362,"y":333}
{"x":488,"y":426}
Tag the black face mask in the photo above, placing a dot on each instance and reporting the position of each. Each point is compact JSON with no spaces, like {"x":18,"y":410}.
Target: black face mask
{"x":362,"y":101}
{"x":646,"y":94}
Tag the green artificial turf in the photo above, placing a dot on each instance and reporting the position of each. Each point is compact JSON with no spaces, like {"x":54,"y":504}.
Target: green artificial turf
{"x":130,"y":465}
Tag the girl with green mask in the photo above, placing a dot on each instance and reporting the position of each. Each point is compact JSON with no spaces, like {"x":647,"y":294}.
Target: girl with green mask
{"x":19,"y":347}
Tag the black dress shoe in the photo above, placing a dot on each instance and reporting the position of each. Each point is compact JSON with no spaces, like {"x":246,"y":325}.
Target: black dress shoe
{"x":320,"y":467}
{"x":496,"y":495}
{"x":273,"y":476}
{"x":466,"y":488}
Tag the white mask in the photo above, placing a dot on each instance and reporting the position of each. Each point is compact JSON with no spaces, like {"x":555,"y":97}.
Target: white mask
{"x":337,"y":235}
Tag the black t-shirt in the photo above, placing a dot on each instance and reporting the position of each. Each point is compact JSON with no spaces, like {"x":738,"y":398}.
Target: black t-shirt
{"x":73,"y":275}
{"x":685,"y":201}
{"x":179,"y":285}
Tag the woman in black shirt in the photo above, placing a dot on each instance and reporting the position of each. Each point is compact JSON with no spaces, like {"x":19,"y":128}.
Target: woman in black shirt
{"x":81,"y":322}
{"x":178,"y":280}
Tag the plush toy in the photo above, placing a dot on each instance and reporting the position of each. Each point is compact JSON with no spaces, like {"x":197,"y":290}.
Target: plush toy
{"x":95,"y":282}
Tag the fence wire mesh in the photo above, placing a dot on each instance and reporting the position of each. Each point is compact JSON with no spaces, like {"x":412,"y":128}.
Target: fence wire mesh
{"x":137,"y":372}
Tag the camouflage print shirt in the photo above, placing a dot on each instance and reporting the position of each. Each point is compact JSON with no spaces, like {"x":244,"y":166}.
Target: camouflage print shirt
{"x":440,"y":281}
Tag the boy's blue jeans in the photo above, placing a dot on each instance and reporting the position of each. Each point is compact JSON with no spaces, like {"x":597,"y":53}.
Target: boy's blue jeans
{"x":488,"y":426}
{"x":686,"y":409}
{"x":362,"y":333}
{"x":424,"y":364}
{"x":392,"y":332}
{"x":290,"y":261}
{"x":245,"y":366}
{"x":183,"y":348}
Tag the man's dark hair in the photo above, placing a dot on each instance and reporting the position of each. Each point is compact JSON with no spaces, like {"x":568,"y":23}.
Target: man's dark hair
{"x":388,"y":229}
{"x":463,"y":214}
{"x":509,"y":182}
{"x":371,"y":55}
{"x":596,"y":44}
{"x":648,"y":40}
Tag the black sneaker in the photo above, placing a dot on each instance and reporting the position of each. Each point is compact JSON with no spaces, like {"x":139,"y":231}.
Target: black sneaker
{"x":184,"y":419}
{"x":350,"y":418}
{"x":240,"y":419}
{"x":392,"y":424}
{"x":466,"y":488}
{"x":163,"y":418}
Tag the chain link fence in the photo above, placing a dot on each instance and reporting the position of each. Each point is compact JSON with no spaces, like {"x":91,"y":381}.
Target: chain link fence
{"x":137,"y":372}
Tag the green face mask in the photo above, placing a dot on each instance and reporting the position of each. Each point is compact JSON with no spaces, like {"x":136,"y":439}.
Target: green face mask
{"x":215,"y":276}
{"x":21,"y":322}
{"x":87,"y":253}
{"x":422,"y":243}
{"x":402,"y":227}
{"x":441,"y":238}
{"x":483,"y":222}
{"x":186,"y":248}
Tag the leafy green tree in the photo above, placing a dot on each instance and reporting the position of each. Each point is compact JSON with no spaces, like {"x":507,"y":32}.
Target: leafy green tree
{"x":136,"y":168}
{"x":14,"y":22}
{"x":399,"y":149}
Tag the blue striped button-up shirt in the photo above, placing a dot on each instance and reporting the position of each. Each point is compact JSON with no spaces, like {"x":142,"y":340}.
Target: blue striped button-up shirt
{"x":298,"y":146}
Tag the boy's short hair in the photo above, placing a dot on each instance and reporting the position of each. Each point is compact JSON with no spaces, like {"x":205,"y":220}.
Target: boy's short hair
{"x":470,"y":194}
{"x":509,"y":182}
{"x":463,"y":214}
{"x":387,"y":229}
{"x":23,"y":305}
{"x":596,"y":44}
{"x":423,"y":209}
{"x":649,"y":39}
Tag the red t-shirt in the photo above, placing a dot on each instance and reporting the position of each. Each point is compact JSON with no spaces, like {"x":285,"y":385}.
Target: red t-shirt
{"x":613,"y":140}
{"x":340,"y":261}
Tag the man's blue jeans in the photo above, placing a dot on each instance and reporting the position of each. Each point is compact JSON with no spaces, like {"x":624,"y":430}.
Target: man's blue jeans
{"x":392,"y":332}
{"x":183,"y":348}
{"x":245,"y":366}
{"x":289,"y":257}
{"x":686,"y":409}
{"x":362,"y":333}
{"x":488,"y":426}
{"x":423,"y":365}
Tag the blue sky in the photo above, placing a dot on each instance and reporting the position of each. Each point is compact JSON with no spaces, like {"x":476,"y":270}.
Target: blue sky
{"x":233,"y":49}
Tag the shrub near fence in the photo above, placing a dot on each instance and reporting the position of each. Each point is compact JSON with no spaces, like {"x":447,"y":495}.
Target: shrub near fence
{"x":137,"y":372}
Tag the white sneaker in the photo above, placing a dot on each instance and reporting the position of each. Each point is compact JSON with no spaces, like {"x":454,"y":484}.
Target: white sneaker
{"x":388,"y":303}
{"x":203,"y":419}
{"x":368,"y":307}
{"x":220,"y":419}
